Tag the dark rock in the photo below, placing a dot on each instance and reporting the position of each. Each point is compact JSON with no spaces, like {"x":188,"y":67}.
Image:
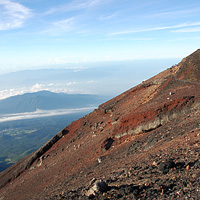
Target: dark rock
{"x":180,"y":165}
{"x":101,"y":186}
{"x":164,"y":167}
{"x":107,"y":144}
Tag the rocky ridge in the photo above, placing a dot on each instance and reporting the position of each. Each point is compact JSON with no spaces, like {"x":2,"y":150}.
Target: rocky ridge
{"x":143,"y":144}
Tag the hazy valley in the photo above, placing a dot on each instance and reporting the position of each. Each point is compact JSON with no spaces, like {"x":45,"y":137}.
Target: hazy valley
{"x":28,"y":121}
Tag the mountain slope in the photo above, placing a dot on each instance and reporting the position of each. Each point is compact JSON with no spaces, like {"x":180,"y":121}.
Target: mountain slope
{"x":144,"y":143}
{"x":45,"y":100}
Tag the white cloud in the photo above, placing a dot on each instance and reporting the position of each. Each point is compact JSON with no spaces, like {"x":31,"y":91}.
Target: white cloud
{"x":78,"y":13}
{"x":10,"y":92}
{"x":107,"y":17}
{"x":71,"y":83}
{"x":50,"y":84}
{"x":12,"y":15}
{"x":58,"y":27}
{"x":157,"y":28}
{"x":64,"y":24}
{"x":37,"y":87}
{"x":42,"y":113}
{"x":188,"y":30}
{"x":75,"y":5}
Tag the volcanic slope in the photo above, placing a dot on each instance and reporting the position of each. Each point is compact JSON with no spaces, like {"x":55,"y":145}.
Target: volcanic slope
{"x":143,"y":144}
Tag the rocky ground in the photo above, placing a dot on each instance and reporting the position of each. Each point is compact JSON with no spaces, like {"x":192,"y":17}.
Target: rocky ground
{"x":143,"y":144}
{"x":169,"y":171}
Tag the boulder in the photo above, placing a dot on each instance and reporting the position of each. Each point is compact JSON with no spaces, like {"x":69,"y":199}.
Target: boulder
{"x":96,"y":187}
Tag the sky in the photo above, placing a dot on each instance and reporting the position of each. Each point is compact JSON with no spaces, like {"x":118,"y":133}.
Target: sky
{"x":41,"y":33}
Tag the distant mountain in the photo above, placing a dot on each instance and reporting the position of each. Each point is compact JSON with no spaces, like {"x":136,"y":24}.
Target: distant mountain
{"x":45,"y":100}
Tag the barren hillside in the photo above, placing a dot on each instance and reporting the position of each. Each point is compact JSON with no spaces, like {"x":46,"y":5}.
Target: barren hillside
{"x":143,"y":144}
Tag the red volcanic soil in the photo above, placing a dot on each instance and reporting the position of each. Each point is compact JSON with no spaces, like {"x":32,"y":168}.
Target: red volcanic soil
{"x":143,"y":144}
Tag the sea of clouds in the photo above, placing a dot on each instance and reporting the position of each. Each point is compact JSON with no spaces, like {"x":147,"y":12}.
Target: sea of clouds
{"x":42,"y":113}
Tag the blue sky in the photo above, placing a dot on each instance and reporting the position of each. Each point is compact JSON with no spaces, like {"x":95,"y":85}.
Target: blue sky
{"x":39,"y":33}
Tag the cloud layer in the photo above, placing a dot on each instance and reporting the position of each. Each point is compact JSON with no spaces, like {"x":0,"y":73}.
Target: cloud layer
{"x":42,"y":113}
{"x":71,"y":87}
